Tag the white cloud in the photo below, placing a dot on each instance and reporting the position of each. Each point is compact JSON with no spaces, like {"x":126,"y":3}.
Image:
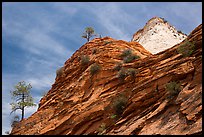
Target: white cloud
{"x":36,"y":41}
{"x":30,"y":110}
{"x":113,"y":19}
{"x":41,"y":82}
{"x":185,"y":10}
{"x":35,"y":32}
{"x":5,"y":117}
{"x":39,"y":42}
{"x":8,"y":82}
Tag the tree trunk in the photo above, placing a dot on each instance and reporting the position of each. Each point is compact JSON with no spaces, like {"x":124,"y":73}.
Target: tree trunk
{"x":88,"y":36}
{"x":22,"y":115}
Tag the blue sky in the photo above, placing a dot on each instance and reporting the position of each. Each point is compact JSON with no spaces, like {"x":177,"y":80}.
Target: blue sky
{"x":39,"y":37}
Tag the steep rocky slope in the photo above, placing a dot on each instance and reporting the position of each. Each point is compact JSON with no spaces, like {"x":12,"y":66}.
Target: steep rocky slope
{"x":158,"y":35}
{"x":122,"y":96}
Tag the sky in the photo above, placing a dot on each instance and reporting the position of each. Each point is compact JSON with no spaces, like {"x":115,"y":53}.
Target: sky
{"x":38,"y":37}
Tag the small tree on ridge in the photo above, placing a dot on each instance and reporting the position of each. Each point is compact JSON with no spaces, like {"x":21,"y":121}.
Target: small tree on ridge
{"x":22,"y":97}
{"x":89,"y":32}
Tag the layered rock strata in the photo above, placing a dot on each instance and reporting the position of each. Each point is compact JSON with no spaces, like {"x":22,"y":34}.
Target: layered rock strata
{"x":123,"y":97}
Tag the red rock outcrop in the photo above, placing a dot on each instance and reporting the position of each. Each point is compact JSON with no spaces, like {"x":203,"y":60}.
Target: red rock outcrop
{"x":130,"y":99}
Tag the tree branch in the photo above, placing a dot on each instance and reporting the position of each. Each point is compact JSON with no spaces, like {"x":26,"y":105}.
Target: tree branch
{"x":15,"y":110}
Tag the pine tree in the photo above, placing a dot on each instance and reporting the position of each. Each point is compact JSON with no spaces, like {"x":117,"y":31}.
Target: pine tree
{"x":22,"y":98}
{"x":89,"y":32}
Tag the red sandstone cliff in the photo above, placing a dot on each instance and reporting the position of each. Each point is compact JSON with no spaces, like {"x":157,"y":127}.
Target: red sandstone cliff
{"x":136,"y":103}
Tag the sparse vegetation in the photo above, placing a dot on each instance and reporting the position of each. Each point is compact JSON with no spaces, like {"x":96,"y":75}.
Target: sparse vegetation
{"x":163,"y":19}
{"x":186,"y":49}
{"x":132,"y":72}
{"x":59,"y":71}
{"x":107,"y":42}
{"x":128,"y":56}
{"x":113,"y":116}
{"x":126,"y":53}
{"x":89,"y":32}
{"x":118,"y":67}
{"x":173,"y":88}
{"x":94,"y":51}
{"x":94,"y":68}
{"x":179,"y":31}
{"x":122,"y":74}
{"x":119,"y":104}
{"x":15,"y":120}
{"x":102,"y":128}
{"x":85,"y":60}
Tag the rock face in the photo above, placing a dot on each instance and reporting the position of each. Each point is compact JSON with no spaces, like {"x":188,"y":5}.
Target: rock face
{"x":103,"y":89}
{"x":158,"y":35}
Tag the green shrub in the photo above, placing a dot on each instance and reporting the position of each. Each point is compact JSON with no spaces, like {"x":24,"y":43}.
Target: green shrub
{"x":130,"y":58}
{"x":113,"y":116}
{"x":119,"y":104}
{"x":118,"y":66}
{"x":126,"y":53}
{"x":173,"y":88}
{"x":85,"y":60}
{"x":107,"y":42}
{"x":94,"y":68}
{"x":102,"y":128}
{"x":94,"y":51}
{"x":186,"y":49}
{"x":122,"y":74}
{"x":132,"y":72}
{"x":59,"y":71}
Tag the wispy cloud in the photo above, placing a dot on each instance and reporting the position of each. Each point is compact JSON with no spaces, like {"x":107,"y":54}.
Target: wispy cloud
{"x":41,"y":43}
{"x":47,"y":34}
{"x":36,"y":41}
{"x":65,"y":8}
{"x":40,"y":83}
{"x":113,"y":19}
{"x":5,"y":117}
{"x":185,"y":16}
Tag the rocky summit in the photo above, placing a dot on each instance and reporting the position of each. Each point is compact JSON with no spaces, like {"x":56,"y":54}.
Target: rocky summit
{"x":114,"y":87}
{"x":158,"y":35}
